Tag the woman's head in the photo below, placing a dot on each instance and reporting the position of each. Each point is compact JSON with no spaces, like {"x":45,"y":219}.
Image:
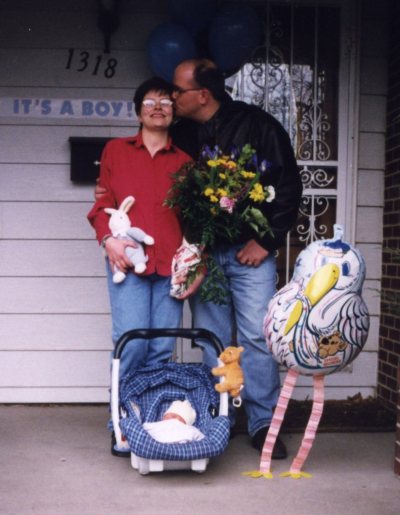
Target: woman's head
{"x":156,"y":84}
{"x":153,"y":104}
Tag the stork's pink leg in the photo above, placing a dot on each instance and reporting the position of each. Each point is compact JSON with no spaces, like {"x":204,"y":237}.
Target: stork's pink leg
{"x":277,"y":419}
{"x":312,"y":426}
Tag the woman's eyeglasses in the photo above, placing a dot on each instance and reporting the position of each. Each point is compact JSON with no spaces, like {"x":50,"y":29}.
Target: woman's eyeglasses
{"x":150,"y":103}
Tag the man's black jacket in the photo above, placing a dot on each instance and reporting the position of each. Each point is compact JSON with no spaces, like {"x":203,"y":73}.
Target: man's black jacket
{"x":235,"y":124}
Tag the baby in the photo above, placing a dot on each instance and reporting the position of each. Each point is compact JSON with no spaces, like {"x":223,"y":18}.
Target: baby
{"x":176,"y":425}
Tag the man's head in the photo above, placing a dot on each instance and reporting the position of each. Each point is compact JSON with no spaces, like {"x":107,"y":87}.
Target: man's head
{"x":199,"y":89}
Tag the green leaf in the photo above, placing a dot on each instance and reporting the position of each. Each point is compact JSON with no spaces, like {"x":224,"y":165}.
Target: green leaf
{"x":215,"y":286}
{"x":255,"y":218}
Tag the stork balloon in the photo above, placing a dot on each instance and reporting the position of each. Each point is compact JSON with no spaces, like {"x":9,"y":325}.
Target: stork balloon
{"x":315,"y":325}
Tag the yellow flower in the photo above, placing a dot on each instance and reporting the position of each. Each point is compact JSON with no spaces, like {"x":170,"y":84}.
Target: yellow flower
{"x":222,"y":175}
{"x":216,"y":162}
{"x":208,"y":192}
{"x":248,"y":175}
{"x":231,"y":165}
{"x":257,"y":193}
{"x":213,"y":198}
{"x":222,"y":193}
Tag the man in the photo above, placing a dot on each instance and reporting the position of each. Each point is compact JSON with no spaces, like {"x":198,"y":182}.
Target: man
{"x":248,"y":264}
{"x":210,"y":117}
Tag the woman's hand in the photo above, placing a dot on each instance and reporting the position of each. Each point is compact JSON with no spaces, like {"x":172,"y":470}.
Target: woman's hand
{"x":252,"y":254}
{"x":187,"y":260}
{"x":193,"y":286}
{"x":115,"y":249}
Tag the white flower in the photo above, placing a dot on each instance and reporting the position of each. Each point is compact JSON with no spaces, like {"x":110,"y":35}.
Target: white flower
{"x":270,"y":190}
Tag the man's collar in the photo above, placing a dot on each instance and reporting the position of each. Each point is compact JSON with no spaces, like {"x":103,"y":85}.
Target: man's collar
{"x":222,"y":106}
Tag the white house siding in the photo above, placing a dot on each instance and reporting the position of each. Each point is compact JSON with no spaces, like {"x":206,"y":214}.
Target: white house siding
{"x":54,"y":313}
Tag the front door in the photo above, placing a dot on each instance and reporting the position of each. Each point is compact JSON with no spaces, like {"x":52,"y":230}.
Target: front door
{"x":303,"y":76}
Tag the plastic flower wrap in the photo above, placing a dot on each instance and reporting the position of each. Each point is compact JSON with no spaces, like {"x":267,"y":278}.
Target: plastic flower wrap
{"x":217,"y":196}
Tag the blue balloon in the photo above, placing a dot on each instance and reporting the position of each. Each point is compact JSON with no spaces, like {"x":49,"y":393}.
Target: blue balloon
{"x":167,"y":46}
{"x":234,"y":34}
{"x":195,"y":15}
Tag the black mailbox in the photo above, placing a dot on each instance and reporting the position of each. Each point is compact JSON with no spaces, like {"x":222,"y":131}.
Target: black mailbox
{"x":85,"y":158}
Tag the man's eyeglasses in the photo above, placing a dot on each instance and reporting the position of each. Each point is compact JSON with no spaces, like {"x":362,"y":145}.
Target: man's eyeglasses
{"x":150,"y":103}
{"x":179,"y":91}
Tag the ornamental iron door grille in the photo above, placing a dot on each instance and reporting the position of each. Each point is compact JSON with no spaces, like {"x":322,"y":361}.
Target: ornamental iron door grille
{"x":295,"y":76}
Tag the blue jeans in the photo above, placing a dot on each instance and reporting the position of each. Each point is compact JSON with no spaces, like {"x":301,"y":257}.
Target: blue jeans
{"x":143,"y":302}
{"x":250,"y":289}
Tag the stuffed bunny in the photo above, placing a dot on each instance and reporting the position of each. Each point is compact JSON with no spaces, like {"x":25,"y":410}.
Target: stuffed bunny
{"x":120,"y":227}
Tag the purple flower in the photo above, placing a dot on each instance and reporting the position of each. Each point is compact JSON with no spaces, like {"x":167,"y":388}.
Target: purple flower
{"x":210,"y":153}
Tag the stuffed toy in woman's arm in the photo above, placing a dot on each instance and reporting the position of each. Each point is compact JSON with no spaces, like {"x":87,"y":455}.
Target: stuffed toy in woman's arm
{"x":120,"y":227}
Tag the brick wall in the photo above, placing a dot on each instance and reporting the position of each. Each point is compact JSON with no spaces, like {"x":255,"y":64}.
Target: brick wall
{"x":389,"y":341}
{"x":397,"y":444}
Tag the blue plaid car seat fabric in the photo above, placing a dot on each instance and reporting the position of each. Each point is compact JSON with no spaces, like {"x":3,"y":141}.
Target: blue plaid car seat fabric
{"x":147,"y":393}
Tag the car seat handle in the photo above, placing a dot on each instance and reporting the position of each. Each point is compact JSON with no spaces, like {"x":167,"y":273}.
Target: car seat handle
{"x":177,"y":333}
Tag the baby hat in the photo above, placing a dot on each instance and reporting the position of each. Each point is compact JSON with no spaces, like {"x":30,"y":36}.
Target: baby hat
{"x":183,"y":409}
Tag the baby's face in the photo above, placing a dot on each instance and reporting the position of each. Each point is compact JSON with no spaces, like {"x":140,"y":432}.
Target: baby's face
{"x":170,"y":415}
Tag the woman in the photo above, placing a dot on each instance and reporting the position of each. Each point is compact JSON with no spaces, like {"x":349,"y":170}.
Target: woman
{"x":141,"y":166}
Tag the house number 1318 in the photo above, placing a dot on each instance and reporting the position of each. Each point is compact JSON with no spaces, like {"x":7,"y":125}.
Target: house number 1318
{"x":81,"y":61}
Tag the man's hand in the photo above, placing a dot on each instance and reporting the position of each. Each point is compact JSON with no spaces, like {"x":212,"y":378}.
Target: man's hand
{"x":115,"y":250}
{"x":99,"y":191}
{"x":252,"y":254}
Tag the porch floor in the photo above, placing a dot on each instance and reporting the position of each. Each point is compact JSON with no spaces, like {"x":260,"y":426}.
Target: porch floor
{"x":56,"y":461}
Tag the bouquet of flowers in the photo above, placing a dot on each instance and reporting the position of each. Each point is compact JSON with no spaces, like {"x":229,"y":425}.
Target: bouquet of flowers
{"x":216,"y":197}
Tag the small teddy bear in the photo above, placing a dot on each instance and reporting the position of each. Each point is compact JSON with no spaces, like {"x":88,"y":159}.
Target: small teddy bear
{"x":231,"y":370}
{"x":120,"y":227}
